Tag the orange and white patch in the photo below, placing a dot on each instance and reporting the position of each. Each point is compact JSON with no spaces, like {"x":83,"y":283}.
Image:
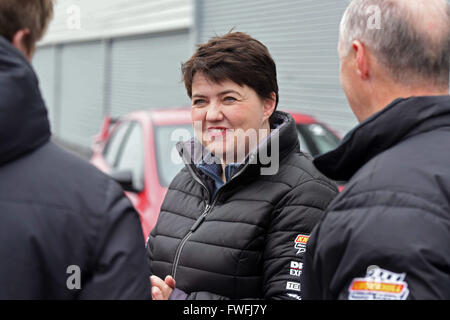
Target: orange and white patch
{"x":379,"y":284}
{"x":300,"y":243}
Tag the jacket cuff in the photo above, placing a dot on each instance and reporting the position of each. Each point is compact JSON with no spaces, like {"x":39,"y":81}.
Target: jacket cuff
{"x":178,"y":294}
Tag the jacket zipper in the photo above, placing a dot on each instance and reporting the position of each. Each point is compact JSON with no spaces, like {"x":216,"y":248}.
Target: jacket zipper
{"x":200,"y":220}
{"x":186,"y":237}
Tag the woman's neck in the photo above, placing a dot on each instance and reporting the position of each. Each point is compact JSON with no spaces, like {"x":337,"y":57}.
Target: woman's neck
{"x":263,"y":133}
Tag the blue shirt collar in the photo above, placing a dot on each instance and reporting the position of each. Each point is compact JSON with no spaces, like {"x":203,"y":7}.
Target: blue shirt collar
{"x":214,"y":169}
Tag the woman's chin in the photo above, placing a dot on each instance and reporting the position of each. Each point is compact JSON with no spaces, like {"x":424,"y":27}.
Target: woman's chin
{"x":221,"y":152}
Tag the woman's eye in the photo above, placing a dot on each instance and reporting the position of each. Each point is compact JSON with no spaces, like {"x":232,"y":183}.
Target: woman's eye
{"x":198,"y":102}
{"x":230,"y":99}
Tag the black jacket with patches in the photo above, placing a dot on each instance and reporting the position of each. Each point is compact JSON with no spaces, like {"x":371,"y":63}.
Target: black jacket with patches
{"x":241,"y":242}
{"x":395,"y":211}
{"x":57,"y":212}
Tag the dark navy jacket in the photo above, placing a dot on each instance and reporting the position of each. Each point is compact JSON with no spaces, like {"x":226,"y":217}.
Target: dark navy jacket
{"x":57,"y":212}
{"x":387,"y":235}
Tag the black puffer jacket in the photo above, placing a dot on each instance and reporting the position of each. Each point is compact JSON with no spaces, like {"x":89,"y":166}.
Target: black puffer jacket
{"x":387,"y":235}
{"x":57,"y":212}
{"x":241,"y":243}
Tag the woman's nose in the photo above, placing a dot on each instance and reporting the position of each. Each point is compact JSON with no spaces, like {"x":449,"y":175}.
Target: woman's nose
{"x":214,"y":112}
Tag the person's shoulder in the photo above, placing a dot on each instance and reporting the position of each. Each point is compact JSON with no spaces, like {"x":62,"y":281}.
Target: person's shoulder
{"x":298,"y":168}
{"x":400,"y":180}
{"x":65,"y":193}
{"x":181,"y":180}
{"x":411,"y":172}
{"x":74,"y":169}
{"x":53,"y":175}
{"x":303,"y":184}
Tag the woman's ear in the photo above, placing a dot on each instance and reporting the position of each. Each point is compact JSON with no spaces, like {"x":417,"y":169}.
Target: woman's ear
{"x":269,"y":105}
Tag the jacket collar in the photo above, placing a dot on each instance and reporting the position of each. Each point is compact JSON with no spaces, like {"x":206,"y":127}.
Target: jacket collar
{"x":400,"y":120}
{"x":23,"y":117}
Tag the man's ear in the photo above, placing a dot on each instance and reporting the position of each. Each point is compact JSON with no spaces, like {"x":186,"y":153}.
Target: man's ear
{"x":269,"y":105}
{"x":362,"y":59}
{"x":21,"y":42}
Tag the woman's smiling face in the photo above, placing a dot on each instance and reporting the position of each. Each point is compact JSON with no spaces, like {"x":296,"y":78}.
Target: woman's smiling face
{"x":225,"y":114}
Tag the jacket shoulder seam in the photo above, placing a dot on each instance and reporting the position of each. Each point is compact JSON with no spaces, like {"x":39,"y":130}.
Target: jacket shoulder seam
{"x":305,"y":182}
{"x":189,"y":194}
{"x":414,"y":195}
{"x":243,"y":222}
{"x":222,"y":246}
{"x":169,"y":211}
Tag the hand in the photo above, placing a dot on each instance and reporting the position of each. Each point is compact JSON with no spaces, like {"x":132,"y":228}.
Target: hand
{"x":161,"y":290}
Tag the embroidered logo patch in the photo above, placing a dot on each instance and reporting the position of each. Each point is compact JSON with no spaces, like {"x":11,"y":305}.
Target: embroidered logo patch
{"x":300,"y":243}
{"x":379,"y":284}
{"x":295,"y":296}
{"x":293,"y":286}
{"x":296,"y":268}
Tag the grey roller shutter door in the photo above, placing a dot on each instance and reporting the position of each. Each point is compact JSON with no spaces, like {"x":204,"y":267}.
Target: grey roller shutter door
{"x":82,"y":84}
{"x":44,"y":65}
{"x":145,"y":72}
{"x":302,"y":36}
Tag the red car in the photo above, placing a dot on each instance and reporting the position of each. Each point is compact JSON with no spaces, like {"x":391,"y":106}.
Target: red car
{"x":138,"y":150}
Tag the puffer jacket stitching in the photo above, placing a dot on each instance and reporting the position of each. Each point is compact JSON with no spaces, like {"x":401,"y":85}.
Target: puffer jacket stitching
{"x":189,"y":194}
{"x":254,"y":200}
{"x":172,"y":212}
{"x":238,"y":264}
{"x":243,"y":222}
{"x":222,"y":245}
{"x":167,"y":236}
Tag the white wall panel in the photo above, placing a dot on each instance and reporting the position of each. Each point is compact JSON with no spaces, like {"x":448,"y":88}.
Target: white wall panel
{"x":111,"y":18}
{"x":302,"y":36}
{"x":44,"y":64}
{"x":82,"y":85}
{"x":146,"y":72}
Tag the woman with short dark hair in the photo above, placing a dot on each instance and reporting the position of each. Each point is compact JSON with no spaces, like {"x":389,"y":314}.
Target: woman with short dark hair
{"x":235,"y":220}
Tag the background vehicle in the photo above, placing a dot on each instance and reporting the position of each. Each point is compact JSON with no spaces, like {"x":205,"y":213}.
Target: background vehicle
{"x":138,"y":150}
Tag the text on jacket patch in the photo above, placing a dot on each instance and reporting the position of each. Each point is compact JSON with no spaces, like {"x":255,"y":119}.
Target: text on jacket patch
{"x":379,"y":284}
{"x":296,"y":268}
{"x":300,"y":243}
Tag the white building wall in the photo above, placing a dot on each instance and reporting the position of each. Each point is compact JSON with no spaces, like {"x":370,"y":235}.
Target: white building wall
{"x":81,"y":20}
{"x":302,"y":36}
{"x":111,"y":57}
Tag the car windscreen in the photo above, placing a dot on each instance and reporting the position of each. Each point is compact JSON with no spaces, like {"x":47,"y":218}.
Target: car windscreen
{"x":316,"y":139}
{"x":168,"y":160}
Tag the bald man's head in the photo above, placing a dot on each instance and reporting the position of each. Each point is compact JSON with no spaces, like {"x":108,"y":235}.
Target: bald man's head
{"x":429,"y":18}
{"x":411,"y":37}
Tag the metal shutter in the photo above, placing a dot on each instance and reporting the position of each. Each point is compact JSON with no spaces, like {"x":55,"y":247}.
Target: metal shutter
{"x":302,"y":36}
{"x":145,"y":72}
{"x":101,"y":19}
{"x":44,"y":65}
{"x":82,"y":84}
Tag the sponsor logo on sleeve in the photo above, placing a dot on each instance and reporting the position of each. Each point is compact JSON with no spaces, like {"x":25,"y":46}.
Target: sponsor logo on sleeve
{"x":300,"y":243}
{"x":296,"y":268}
{"x":379,"y":284}
{"x":295,"y":296}
{"x":295,"y":286}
